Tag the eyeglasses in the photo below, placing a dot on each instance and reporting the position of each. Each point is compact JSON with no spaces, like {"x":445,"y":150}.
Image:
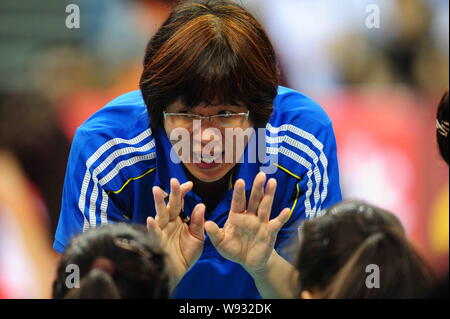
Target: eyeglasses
{"x":227,"y":119}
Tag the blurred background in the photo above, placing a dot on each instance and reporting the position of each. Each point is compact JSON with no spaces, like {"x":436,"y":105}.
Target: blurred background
{"x":379,"y":82}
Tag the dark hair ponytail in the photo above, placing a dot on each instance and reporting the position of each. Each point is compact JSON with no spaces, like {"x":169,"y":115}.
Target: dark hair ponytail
{"x":385,"y":265}
{"x":114,"y":261}
{"x":97,"y":284}
{"x":442,"y":127}
{"x":336,"y":248}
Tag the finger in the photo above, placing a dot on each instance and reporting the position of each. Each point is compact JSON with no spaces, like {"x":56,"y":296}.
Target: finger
{"x":162,"y":215}
{"x":154,"y":230}
{"x":174,"y":206}
{"x":185,"y":188}
{"x":257,"y":193}
{"x":214,"y":232}
{"x":238,"y":203}
{"x":197,"y":225}
{"x":278,"y":222}
{"x":265,"y":207}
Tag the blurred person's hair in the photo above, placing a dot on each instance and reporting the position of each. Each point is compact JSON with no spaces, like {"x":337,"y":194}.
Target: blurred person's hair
{"x":211,"y":53}
{"x":114,"y":261}
{"x":440,"y":290}
{"x":442,"y":126}
{"x":29,"y":128}
{"x":337,"y":247}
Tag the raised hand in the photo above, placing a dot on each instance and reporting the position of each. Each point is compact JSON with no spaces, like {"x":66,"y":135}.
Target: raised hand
{"x":182,"y":242}
{"x":248,"y":236}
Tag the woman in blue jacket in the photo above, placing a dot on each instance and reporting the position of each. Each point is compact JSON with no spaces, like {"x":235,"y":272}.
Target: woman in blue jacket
{"x":209,"y":122}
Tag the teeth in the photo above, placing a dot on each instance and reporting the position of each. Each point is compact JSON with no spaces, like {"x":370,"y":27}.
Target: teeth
{"x":206,"y":159}
{"x":210,"y":159}
{"x":197,"y":158}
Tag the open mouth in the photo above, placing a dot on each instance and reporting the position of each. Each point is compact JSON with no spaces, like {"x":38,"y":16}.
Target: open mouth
{"x":204,"y":165}
{"x":208,"y":162}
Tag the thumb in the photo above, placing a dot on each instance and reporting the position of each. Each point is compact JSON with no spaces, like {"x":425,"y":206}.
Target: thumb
{"x":277,"y":223}
{"x":154,"y":230}
{"x":214,"y":232}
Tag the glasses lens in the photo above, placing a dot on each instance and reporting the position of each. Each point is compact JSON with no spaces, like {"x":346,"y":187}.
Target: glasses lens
{"x":231,"y":120}
{"x":182,"y":120}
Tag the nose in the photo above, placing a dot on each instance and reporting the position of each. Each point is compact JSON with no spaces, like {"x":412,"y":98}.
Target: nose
{"x":207,"y":123}
{"x":199,"y":127}
{"x":207,"y":135}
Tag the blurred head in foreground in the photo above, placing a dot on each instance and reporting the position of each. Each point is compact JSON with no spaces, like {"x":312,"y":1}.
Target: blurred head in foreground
{"x":114,"y":261}
{"x":356,"y":250}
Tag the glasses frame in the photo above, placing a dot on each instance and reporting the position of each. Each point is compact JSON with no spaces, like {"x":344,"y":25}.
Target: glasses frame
{"x":208,"y":117}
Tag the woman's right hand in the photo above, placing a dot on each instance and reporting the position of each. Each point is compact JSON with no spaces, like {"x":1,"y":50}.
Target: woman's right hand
{"x":183,"y":243}
{"x":248,"y":236}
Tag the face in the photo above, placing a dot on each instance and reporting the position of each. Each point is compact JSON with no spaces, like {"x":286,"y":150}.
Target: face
{"x":208,"y":159}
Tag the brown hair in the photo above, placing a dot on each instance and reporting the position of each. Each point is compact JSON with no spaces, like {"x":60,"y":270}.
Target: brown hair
{"x":337,"y":247}
{"x":210,"y":52}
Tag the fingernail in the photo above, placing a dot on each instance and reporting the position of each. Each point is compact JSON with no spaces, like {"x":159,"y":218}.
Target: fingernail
{"x":185,"y":184}
{"x":164,"y":194}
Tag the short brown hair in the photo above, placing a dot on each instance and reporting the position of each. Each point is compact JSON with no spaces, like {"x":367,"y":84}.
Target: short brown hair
{"x":210,"y":52}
